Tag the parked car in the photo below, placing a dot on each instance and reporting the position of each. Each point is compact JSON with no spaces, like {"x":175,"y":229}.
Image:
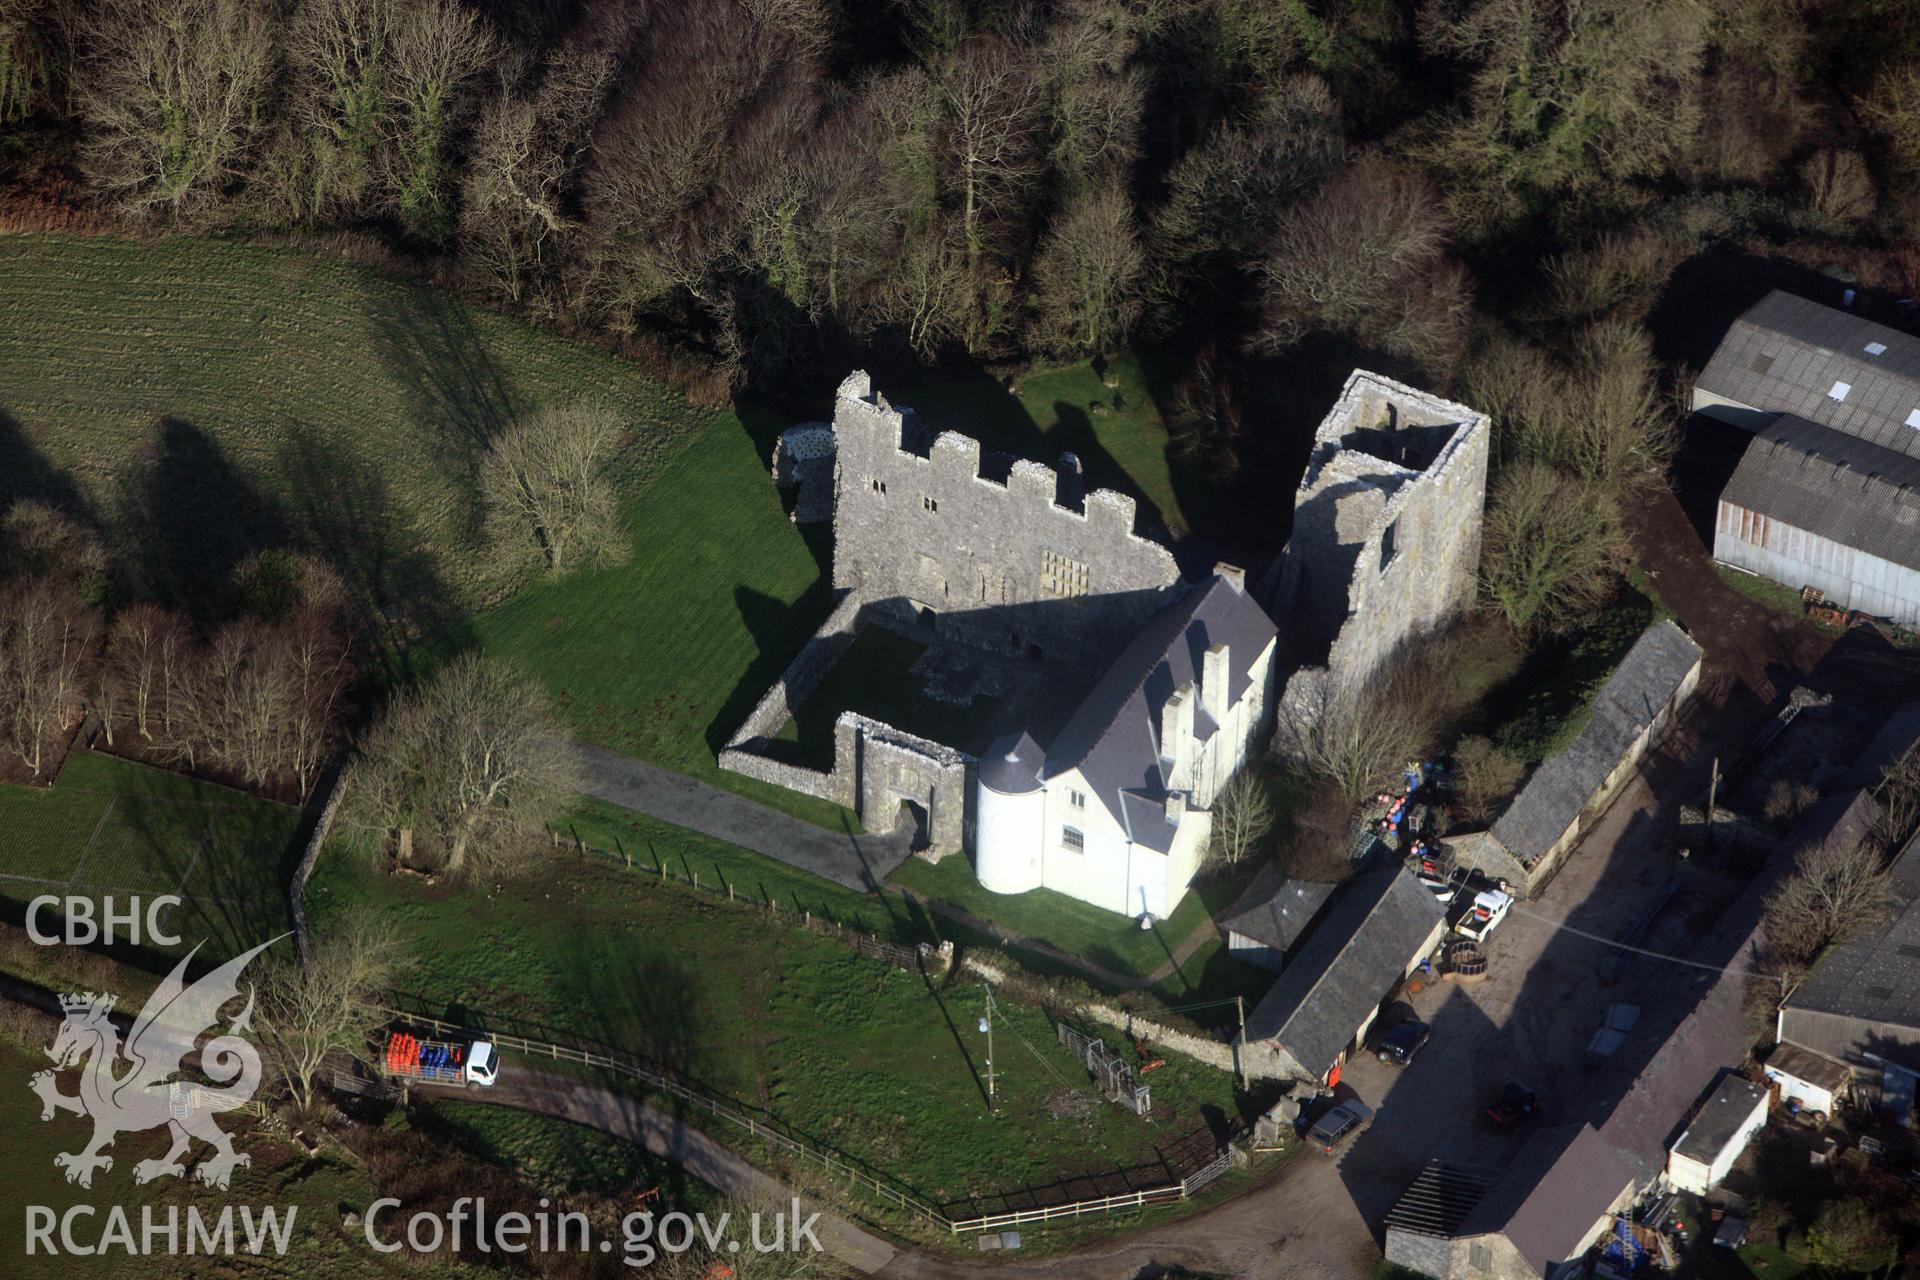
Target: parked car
{"x":1515,"y":1104}
{"x":1402,"y":1041}
{"x":1339,"y":1126}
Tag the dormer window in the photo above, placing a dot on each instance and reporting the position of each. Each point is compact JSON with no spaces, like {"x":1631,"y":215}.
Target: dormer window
{"x":1838,"y":392}
{"x":1875,"y":348}
{"x":1913,"y":419}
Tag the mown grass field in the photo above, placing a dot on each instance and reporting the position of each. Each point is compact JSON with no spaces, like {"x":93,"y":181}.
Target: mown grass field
{"x":112,"y":828}
{"x":867,"y":1059}
{"x":204,"y":398}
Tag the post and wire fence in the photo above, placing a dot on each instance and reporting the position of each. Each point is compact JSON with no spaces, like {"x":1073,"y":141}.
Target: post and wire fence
{"x":780,"y":1139}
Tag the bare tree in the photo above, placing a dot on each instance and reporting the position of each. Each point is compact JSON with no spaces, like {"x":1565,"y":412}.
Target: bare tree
{"x":1484,"y":777}
{"x":42,"y":541}
{"x":1551,"y":549}
{"x":990,"y":101}
{"x":1366,"y":257}
{"x":143,"y":661}
{"x":1839,"y":891}
{"x":171,"y":94}
{"x":1225,"y":196}
{"x":1564,"y":107}
{"x":332,"y":1004}
{"x":1320,"y":850}
{"x":472,"y":763}
{"x":438,"y":47}
{"x":340,"y":54}
{"x":46,"y":641}
{"x":1087,"y":277}
{"x":1095,"y":93}
{"x":546,"y":487}
{"x":928,"y":295}
{"x":1354,"y":734}
{"x":1242,"y":816}
{"x":1898,"y":795}
{"x":513,"y":215}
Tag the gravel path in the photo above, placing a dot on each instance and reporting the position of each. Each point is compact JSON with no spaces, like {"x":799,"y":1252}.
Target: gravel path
{"x":858,"y":862}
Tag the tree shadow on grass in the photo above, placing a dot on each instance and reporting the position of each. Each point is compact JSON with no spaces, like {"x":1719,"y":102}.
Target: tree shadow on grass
{"x":193,"y":517}
{"x":343,"y":507}
{"x":458,"y":395}
{"x":26,"y":473}
{"x":779,"y":630}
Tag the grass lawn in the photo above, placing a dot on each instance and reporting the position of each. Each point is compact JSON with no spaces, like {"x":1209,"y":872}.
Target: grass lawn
{"x":215,"y":397}
{"x":863,"y":1057}
{"x":280,"y":1176}
{"x":1108,"y":939}
{"x":110,"y":827}
{"x":1121,"y":445}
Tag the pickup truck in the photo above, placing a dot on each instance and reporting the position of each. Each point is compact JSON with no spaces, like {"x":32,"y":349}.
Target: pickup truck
{"x":473,"y":1063}
{"x":1339,"y":1126}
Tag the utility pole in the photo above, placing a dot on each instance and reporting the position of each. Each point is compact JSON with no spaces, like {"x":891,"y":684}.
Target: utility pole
{"x":1240,"y":1049}
{"x":986,"y":1025}
{"x":1713,"y":796}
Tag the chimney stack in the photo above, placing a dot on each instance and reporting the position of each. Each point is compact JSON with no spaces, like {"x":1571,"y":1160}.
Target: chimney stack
{"x":1233,"y":575}
{"x":1176,"y":734}
{"x":1214,"y":682}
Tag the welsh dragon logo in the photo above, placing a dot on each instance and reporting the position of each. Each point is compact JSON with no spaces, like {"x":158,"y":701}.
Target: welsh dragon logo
{"x":149,"y":1094}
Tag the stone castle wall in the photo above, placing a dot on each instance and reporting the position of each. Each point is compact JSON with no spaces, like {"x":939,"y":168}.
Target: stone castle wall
{"x":994,"y":559}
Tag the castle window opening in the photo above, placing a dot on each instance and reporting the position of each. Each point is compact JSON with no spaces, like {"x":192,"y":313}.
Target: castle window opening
{"x":931,"y":504}
{"x":879,"y":486}
{"x":1061,"y":576}
{"x":1388,"y":549}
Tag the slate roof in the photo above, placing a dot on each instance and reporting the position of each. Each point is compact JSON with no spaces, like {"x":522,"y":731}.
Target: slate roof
{"x":1876,"y":978}
{"x":1556,"y":1188}
{"x":1114,"y":735}
{"x":1276,"y":910}
{"x":1832,"y":484}
{"x":1012,"y":765}
{"x":1638,"y":690}
{"x":1786,"y":353}
{"x":1720,"y":1118}
{"x":1376,"y":926}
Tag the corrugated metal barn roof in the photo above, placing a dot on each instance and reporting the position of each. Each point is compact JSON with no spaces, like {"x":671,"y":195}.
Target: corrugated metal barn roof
{"x":1790,"y":355}
{"x":1836,"y":485}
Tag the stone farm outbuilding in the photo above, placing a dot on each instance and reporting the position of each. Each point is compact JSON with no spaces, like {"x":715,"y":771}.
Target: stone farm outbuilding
{"x":1566,"y":793}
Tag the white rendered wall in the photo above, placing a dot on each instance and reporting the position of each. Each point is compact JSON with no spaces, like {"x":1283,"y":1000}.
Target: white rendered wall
{"x":1007,"y":839}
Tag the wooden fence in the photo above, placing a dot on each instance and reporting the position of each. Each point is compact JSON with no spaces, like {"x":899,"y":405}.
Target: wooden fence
{"x":776,"y":1136}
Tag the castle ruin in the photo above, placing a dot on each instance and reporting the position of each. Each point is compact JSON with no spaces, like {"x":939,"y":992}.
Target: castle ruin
{"x":1386,"y":532}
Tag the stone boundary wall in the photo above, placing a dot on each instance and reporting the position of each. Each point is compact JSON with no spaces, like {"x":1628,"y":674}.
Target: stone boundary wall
{"x":297,"y":892}
{"x":803,"y":675}
{"x":874,"y":764}
{"x":1262,"y":1060}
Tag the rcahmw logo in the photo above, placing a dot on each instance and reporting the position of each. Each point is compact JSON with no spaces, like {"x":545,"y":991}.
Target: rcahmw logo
{"x":148,"y":1094}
